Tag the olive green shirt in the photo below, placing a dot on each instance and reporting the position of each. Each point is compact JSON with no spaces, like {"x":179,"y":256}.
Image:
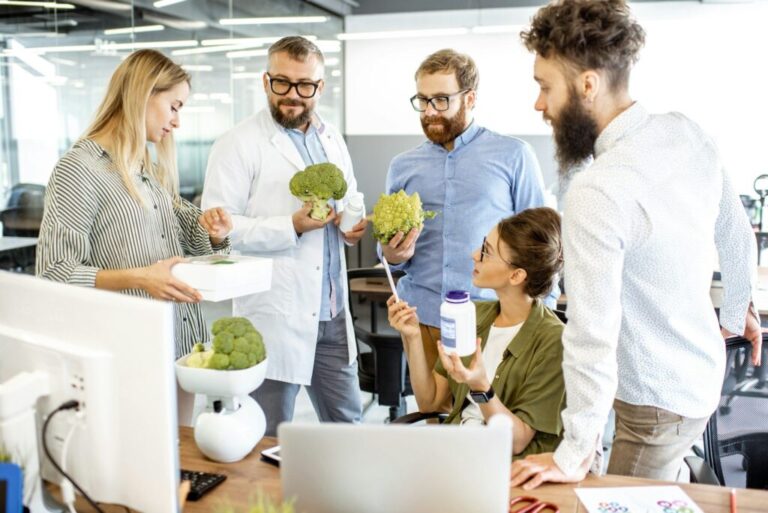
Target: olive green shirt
{"x":529,"y":379}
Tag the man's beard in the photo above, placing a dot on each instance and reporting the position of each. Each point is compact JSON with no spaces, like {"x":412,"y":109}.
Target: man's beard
{"x":575,"y":133}
{"x":290,"y":121}
{"x":452,"y":127}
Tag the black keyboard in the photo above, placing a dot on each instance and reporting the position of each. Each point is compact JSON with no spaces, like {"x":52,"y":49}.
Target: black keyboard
{"x":202,"y":482}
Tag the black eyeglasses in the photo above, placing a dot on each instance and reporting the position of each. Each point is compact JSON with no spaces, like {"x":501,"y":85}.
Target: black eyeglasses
{"x":484,"y":253}
{"x":439,"y":103}
{"x":281,"y":87}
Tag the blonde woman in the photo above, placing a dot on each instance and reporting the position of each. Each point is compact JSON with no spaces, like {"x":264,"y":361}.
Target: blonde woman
{"x":114,"y":219}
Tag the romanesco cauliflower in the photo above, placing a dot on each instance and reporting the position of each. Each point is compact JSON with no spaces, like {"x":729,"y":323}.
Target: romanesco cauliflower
{"x":397,"y":212}
{"x":236,"y":345}
{"x":319,"y":183}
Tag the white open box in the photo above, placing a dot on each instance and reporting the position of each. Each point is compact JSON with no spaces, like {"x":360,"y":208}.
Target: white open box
{"x":220,"y":277}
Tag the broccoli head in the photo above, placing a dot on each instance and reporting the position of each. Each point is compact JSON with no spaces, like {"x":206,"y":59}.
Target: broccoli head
{"x":397,"y":212}
{"x":319,"y":183}
{"x":236,"y":345}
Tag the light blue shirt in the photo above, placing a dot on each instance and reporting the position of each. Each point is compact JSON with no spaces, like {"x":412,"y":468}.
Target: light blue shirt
{"x":487,"y":177}
{"x":312,"y":152}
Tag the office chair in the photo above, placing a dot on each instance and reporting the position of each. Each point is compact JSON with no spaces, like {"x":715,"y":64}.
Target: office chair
{"x":736,"y":437}
{"x":24,"y":212}
{"x":382,"y":371}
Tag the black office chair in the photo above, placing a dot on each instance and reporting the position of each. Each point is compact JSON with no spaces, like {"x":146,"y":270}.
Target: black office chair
{"x":736,"y":438}
{"x":24,"y":212}
{"x":383,"y":370}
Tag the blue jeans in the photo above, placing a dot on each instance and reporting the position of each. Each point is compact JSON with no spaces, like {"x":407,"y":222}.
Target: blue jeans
{"x":335,"y":389}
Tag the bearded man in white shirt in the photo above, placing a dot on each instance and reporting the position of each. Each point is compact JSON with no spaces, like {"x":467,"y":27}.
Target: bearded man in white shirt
{"x":641,"y":330}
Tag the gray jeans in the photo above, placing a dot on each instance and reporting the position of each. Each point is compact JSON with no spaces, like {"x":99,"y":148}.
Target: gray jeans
{"x":651,"y":442}
{"x":335,"y":389}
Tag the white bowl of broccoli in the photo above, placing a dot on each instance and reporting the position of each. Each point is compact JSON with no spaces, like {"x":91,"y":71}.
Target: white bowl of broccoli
{"x":236,"y":363}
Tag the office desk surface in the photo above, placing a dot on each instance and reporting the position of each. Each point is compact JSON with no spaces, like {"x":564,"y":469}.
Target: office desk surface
{"x":245,"y":477}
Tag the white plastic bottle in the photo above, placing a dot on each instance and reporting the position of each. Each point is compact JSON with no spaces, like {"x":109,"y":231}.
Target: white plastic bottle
{"x":458,"y":330}
{"x":354,"y":210}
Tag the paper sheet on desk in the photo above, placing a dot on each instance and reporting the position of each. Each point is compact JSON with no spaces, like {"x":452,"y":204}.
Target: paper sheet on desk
{"x":637,"y":499}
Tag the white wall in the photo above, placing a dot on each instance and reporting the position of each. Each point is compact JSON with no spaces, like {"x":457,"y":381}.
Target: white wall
{"x":707,"y":61}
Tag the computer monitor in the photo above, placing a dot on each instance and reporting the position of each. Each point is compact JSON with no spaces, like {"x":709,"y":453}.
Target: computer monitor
{"x":112,"y":353}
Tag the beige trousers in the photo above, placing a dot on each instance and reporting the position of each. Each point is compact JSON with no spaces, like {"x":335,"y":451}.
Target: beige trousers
{"x":651,"y":442}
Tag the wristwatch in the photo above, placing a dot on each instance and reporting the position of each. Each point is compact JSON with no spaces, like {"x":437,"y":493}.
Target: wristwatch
{"x":482,"y":397}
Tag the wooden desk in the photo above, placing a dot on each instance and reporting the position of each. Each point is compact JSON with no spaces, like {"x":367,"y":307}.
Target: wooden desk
{"x":250,"y":474}
{"x":246,"y":477}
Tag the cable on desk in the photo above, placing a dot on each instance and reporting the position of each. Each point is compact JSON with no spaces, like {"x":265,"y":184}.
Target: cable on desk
{"x":69,"y":405}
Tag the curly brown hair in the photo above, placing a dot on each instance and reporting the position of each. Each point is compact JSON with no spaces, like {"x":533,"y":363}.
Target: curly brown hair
{"x":533,"y":238}
{"x":588,"y":34}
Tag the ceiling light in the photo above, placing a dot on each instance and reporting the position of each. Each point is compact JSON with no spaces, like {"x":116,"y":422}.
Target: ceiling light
{"x":46,"y":5}
{"x":166,"y":3}
{"x":107,"y":45}
{"x":395,"y":34}
{"x":239,"y":41}
{"x":276,"y":20}
{"x":134,"y":30}
{"x":106,"y":5}
{"x":247,"y":53}
{"x":175,"y":23}
{"x":51,"y":49}
{"x":336,"y":73}
{"x":197,"y":67}
{"x":332,"y":61}
{"x":209,"y":49}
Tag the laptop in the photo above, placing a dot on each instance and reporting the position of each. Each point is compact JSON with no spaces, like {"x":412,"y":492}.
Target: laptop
{"x":344,"y":468}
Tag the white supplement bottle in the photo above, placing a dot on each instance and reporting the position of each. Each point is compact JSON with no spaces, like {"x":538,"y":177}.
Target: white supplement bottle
{"x":354,"y":210}
{"x":458,"y":330}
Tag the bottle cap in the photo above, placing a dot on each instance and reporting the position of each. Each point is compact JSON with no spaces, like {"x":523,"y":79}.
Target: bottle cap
{"x":355,"y":200}
{"x":457,"y":296}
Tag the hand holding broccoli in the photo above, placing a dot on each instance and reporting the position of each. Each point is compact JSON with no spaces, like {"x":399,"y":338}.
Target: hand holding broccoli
{"x":317,"y":184}
{"x":397,"y":222}
{"x":401,"y":247}
{"x":303,"y":222}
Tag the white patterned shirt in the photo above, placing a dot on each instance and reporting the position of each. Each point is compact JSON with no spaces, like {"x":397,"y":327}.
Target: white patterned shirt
{"x":640,"y":227}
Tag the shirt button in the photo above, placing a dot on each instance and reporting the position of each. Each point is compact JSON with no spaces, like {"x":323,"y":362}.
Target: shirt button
{"x":162,"y":235}
{"x":155,"y":207}
{"x":317,"y":268}
{"x":185,"y":319}
{"x":314,"y":315}
{"x":497,"y":376}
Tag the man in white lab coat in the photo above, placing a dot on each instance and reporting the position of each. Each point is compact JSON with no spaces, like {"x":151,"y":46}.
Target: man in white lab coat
{"x":309,"y":337}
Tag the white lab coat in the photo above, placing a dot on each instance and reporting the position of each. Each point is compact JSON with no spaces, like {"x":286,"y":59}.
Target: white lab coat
{"x":248,"y":173}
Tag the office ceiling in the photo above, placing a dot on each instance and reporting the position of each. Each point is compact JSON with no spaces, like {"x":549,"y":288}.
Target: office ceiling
{"x":393,"y":6}
{"x":38,"y":26}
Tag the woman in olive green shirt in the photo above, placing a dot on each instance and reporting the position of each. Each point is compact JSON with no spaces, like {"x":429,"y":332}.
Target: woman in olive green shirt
{"x":517,"y":367}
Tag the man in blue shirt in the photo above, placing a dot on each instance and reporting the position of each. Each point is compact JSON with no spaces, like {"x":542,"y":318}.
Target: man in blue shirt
{"x":472,"y":176}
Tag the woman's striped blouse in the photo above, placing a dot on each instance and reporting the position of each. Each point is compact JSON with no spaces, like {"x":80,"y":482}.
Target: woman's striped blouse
{"x":91,"y":222}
